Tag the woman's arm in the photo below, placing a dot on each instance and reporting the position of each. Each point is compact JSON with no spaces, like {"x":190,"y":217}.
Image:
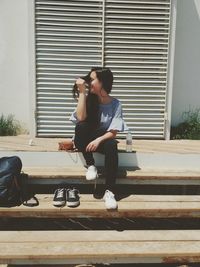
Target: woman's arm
{"x":108,"y":135}
{"x":81,"y":106}
{"x":92,"y":146}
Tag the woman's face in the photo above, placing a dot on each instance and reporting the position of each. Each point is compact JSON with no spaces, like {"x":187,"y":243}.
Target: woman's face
{"x":96,"y":85}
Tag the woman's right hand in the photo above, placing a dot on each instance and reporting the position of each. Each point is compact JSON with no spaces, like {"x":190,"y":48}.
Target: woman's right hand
{"x":81,"y":85}
{"x":81,"y":106}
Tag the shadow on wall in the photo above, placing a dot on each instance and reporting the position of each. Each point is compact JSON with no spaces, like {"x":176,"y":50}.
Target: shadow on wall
{"x":186,"y":88}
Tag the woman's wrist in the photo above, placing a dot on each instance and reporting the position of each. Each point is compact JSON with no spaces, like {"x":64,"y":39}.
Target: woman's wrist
{"x":107,"y":135}
{"x":99,"y":139}
{"x":82,"y":92}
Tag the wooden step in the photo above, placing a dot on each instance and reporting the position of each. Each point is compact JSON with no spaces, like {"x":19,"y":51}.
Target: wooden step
{"x":54,"y":175}
{"x":144,"y":160}
{"x":129,"y":246}
{"x":146,"y":206}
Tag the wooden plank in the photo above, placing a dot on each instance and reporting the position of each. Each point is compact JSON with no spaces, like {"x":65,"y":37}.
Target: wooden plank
{"x":131,"y":172}
{"x":21,"y":143}
{"x":99,"y":252}
{"x":127,"y":175}
{"x":181,"y":181}
{"x":146,"y":206}
{"x":130,"y":246}
{"x":98,"y":235}
{"x":132,"y":197}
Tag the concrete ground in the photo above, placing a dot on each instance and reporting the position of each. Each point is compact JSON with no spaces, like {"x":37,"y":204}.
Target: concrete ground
{"x":21,"y":143}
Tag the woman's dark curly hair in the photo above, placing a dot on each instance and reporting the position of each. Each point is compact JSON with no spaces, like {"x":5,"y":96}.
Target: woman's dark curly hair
{"x":105,"y":76}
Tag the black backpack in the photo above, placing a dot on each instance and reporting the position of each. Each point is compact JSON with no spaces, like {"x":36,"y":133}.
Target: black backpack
{"x":13,"y":184}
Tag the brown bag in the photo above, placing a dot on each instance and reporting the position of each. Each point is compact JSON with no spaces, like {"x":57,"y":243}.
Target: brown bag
{"x":66,"y":145}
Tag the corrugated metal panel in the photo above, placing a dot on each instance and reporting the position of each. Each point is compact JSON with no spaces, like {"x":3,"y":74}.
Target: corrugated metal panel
{"x":136,"y":49}
{"x":134,"y":39}
{"x":68,"y":43}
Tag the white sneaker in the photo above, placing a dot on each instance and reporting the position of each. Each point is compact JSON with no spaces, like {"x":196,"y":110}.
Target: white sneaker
{"x":91,"y":173}
{"x":110,"y":200}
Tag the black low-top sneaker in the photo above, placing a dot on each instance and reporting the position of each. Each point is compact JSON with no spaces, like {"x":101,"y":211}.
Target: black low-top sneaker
{"x":72,"y":197}
{"x":59,"y":199}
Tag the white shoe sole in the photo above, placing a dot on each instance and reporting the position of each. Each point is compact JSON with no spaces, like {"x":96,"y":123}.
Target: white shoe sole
{"x":112,"y":208}
{"x":92,"y":179}
{"x":73,"y":204}
{"x":59,"y":204}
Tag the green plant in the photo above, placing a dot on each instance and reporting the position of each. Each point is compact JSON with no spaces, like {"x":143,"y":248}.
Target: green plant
{"x":189,"y":128}
{"x":9,"y":126}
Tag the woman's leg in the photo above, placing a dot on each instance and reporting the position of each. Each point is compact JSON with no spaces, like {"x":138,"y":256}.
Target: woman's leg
{"x":109,"y":148}
{"x":82,"y":138}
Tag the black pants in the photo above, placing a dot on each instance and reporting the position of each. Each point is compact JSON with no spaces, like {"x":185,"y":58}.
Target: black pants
{"x":83,"y":136}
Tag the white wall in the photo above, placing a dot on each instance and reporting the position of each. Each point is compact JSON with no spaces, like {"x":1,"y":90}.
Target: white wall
{"x":186,"y":88}
{"x":14,"y":59}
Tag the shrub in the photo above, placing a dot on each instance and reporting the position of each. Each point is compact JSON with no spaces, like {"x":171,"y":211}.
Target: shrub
{"x":189,"y":128}
{"x":9,"y":126}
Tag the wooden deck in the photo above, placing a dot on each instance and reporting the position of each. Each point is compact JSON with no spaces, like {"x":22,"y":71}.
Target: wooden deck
{"x":71,"y":175}
{"x":134,"y":206}
{"x":129,"y":246}
{"x":105,"y":246}
{"x":21,"y":143}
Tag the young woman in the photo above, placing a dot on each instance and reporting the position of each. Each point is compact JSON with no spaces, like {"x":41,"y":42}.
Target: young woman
{"x":98,"y":118}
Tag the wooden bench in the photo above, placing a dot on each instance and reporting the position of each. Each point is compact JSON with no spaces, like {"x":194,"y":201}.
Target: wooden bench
{"x":129,"y":246}
{"x":129,"y":175}
{"x":146,"y":206}
{"x":90,"y":247}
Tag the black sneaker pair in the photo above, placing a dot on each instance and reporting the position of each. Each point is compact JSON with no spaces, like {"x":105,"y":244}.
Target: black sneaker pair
{"x":69,"y":196}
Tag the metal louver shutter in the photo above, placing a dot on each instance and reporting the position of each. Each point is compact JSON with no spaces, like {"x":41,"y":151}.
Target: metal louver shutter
{"x":68,"y":43}
{"x":131,"y":37}
{"x":136,"y":49}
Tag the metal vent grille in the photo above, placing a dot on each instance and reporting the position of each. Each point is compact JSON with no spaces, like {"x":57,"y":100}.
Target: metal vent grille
{"x":130,"y":37}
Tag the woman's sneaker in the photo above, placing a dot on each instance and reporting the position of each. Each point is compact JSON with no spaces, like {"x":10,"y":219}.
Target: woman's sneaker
{"x":91,"y":173}
{"x":59,"y":199}
{"x":72,"y":197}
{"x":110,"y":200}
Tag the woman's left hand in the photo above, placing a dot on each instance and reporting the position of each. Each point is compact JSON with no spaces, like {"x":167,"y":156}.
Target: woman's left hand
{"x":92,"y":146}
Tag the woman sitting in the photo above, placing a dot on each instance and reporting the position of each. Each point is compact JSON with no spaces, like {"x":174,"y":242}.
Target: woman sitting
{"x":98,"y":118}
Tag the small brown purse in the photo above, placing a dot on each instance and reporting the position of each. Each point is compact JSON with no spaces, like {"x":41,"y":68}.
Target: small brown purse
{"x":67,"y":145}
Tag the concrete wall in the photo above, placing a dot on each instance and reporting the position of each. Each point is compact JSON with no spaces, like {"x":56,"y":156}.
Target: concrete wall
{"x":14,"y":59}
{"x":14,"y":93}
{"x":186,"y":88}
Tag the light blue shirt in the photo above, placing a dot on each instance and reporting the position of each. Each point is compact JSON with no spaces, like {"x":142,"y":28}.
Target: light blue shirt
{"x":111,"y":116}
